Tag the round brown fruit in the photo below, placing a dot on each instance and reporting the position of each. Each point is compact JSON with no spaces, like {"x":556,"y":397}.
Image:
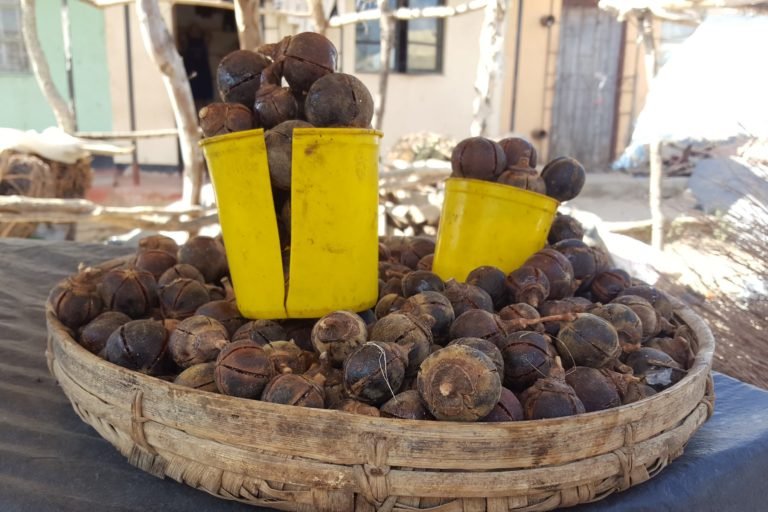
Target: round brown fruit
{"x":292,"y":389}
{"x":142,"y":346}
{"x":197,"y":339}
{"x":528,"y":356}
{"x":406,"y":405}
{"x":339,"y":334}
{"x":459,"y":383}
{"x":338,"y":99}
{"x":588,"y":341}
{"x":243,"y":369}
{"x":478,"y":158}
{"x":564,"y":178}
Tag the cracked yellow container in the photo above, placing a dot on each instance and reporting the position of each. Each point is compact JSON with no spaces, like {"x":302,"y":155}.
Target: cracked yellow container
{"x":484,"y":223}
{"x":334,"y":221}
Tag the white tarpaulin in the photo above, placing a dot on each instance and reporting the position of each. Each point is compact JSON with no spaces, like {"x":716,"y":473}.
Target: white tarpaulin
{"x":713,"y":87}
{"x":55,"y":144}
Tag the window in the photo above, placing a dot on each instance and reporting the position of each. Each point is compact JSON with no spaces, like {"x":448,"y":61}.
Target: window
{"x":418,"y":44}
{"x":13,"y":55}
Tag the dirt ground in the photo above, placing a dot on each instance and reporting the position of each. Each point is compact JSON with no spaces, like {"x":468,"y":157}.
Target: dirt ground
{"x":701,"y":266}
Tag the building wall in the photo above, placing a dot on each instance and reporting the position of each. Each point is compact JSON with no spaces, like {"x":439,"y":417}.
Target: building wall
{"x":152,"y":106}
{"x":431,"y":102}
{"x":441,"y":102}
{"x":633,"y":87}
{"x":537,"y":73}
{"x":533,"y":93}
{"x":25,"y":107}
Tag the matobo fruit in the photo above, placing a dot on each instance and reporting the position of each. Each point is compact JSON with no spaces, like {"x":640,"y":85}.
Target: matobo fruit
{"x":339,"y":334}
{"x":375,"y":372}
{"x":588,"y":341}
{"x":459,"y":383}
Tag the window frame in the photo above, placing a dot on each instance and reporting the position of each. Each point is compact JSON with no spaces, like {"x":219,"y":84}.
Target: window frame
{"x":400,"y":46}
{"x":14,"y":7}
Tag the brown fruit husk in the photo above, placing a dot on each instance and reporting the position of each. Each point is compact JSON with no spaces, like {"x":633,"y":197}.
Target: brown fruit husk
{"x":243,"y":369}
{"x":375,"y":372}
{"x":197,"y":339}
{"x":292,"y":389}
{"x":459,"y":383}
{"x":551,"y":397}
{"x":410,"y":332}
{"x":406,"y":405}
{"x":199,"y":376}
{"x":339,"y":334}
{"x":355,"y":407}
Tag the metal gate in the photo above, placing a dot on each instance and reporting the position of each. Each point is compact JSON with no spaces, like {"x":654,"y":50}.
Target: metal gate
{"x":584,"y":107}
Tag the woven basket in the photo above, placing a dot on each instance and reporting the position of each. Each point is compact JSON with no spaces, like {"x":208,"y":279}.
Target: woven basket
{"x":293,"y":458}
{"x":44,"y":178}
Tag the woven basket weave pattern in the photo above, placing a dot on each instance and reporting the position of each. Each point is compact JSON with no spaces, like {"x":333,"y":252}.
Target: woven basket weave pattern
{"x":291,"y":458}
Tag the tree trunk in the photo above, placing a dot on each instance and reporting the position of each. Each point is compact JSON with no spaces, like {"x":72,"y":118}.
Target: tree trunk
{"x":159,"y":45}
{"x":654,"y":153}
{"x":491,"y":43}
{"x":318,"y":16}
{"x":248,"y":24}
{"x":387,"y":33}
{"x":64,"y":116}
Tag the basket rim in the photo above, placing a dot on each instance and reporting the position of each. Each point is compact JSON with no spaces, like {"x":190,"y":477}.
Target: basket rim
{"x":415,"y":430}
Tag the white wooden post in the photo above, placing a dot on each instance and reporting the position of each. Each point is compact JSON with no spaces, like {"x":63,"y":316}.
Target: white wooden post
{"x":160,"y":46}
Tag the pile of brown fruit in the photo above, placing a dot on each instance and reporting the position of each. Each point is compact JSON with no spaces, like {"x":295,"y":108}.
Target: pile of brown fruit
{"x":512,"y":161}
{"x":561,"y":335}
{"x":251,"y":83}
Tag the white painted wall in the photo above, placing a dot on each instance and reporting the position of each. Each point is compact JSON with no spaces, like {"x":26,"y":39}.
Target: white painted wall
{"x":439,"y":103}
{"x":153,"y":109}
{"x":434,"y":102}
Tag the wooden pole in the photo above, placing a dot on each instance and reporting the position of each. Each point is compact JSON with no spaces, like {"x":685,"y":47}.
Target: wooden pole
{"x":247,"y":17}
{"x":65,"y":119}
{"x":318,"y":16}
{"x":33,"y":209}
{"x":654,"y":186}
{"x":491,"y":43}
{"x":135,"y":170}
{"x":67,"y":38}
{"x":159,"y":44}
{"x":387,"y":33}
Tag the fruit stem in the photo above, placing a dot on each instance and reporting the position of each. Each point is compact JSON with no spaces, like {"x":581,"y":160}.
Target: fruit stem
{"x":229,"y":291}
{"x":525,"y":322}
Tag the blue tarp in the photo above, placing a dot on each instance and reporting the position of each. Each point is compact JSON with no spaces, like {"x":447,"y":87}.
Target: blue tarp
{"x":50,"y":461}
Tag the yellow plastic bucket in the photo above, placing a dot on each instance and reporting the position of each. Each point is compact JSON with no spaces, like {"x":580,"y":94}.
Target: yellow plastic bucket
{"x":484,"y":223}
{"x":334,"y":216}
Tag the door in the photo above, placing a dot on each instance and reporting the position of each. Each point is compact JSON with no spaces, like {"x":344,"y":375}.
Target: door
{"x":588,"y":66}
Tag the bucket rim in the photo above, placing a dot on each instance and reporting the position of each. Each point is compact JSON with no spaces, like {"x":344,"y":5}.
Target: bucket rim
{"x":230,"y":136}
{"x":503,"y":192}
{"x":298,"y":131}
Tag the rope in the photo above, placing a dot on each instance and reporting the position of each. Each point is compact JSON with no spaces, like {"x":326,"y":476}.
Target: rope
{"x":137,"y":423}
{"x":626,"y":456}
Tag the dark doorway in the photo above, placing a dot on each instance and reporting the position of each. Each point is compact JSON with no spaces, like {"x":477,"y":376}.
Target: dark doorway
{"x":204,"y":35}
{"x":588,"y":67}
